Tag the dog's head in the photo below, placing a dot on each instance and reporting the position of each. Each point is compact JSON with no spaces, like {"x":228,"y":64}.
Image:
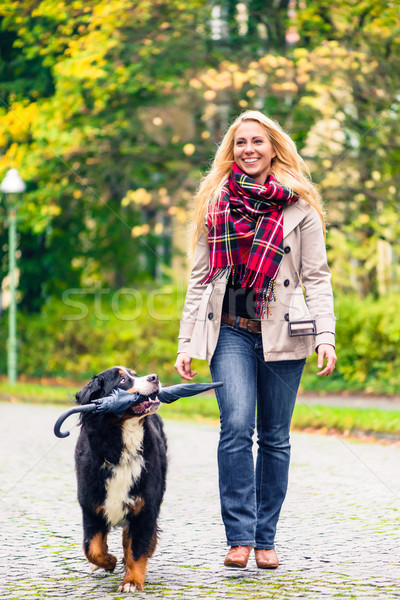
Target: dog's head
{"x":145,"y":388}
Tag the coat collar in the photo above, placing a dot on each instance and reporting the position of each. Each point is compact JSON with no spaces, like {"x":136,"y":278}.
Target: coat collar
{"x":293,"y":214}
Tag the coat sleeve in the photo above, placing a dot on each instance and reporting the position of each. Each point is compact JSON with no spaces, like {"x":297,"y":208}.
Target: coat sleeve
{"x":194,"y":293}
{"x":316,"y":278}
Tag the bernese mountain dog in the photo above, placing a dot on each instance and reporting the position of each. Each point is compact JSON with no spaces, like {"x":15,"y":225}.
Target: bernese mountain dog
{"x":121,"y":468}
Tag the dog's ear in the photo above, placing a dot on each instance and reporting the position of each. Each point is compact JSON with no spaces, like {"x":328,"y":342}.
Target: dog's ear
{"x":111,"y":378}
{"x":99,"y":386}
{"x":92,"y":391}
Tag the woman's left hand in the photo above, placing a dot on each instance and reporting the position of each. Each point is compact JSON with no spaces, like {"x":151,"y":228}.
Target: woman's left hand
{"x":326,"y":351}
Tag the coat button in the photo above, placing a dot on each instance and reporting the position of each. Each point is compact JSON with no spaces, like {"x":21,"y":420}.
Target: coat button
{"x":286,"y":249}
{"x":286,"y":282}
{"x":210,"y":316}
{"x":286,"y":317}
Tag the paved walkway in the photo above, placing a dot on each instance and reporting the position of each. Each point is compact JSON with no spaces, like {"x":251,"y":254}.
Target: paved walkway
{"x":338,"y":534}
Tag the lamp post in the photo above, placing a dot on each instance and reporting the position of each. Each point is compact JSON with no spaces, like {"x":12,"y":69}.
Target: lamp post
{"x":12,"y":185}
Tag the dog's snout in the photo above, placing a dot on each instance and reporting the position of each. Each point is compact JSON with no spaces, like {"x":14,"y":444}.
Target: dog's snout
{"x":152,"y":378}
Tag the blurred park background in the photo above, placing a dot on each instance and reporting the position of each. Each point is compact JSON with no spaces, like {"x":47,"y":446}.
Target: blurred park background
{"x":111,"y":111}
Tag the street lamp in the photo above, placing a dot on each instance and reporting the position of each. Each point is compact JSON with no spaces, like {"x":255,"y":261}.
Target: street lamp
{"x":11,"y":185}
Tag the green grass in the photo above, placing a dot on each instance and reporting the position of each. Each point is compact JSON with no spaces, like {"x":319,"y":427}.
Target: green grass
{"x":37,"y":393}
{"x":344,"y":419}
{"x":324,"y":417}
{"x":197,"y":408}
{"x":204,"y":409}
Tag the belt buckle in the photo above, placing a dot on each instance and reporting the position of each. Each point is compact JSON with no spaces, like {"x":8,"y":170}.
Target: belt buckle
{"x":249,"y":321}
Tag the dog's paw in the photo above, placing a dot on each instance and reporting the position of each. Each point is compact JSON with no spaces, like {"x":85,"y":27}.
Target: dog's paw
{"x":129,"y":588}
{"x":107,"y":562}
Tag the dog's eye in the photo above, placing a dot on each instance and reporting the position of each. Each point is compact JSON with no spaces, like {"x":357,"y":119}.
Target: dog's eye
{"x":122,"y":380}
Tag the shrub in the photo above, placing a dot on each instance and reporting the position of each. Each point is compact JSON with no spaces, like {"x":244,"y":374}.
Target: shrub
{"x":367,"y":336}
{"x":87,"y":333}
{"x":90,"y":332}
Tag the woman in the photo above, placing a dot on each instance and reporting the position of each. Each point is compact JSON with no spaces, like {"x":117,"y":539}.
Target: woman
{"x":259,"y":238}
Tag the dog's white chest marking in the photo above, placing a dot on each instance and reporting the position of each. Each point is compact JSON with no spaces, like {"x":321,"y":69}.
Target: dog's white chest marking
{"x":125,"y":474}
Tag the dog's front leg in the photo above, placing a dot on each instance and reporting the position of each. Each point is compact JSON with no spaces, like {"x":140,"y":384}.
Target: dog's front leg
{"x":95,"y":543}
{"x":135,"y":568}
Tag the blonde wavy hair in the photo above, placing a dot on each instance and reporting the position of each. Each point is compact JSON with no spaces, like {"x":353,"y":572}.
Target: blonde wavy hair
{"x":287,"y":166}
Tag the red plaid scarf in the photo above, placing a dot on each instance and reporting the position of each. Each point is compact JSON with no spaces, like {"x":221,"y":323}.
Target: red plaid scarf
{"x":245,"y":234}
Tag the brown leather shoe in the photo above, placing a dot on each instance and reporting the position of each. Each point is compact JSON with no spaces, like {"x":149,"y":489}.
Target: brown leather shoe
{"x":238,"y":556}
{"x":266,"y":559}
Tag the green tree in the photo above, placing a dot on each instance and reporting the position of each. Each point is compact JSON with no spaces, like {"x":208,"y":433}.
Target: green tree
{"x":357,"y":82}
{"x":112,"y":109}
{"x":76,"y":81}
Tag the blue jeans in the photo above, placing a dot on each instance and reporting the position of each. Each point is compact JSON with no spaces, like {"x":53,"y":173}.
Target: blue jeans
{"x":251,"y":501}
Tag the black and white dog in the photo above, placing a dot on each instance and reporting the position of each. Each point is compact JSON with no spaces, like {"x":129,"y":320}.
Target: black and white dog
{"x":121,"y":468}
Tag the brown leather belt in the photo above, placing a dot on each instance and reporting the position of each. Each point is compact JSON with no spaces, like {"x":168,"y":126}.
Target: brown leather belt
{"x":252,"y":325}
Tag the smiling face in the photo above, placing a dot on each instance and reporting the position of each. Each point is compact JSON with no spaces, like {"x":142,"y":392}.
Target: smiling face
{"x":253,"y":151}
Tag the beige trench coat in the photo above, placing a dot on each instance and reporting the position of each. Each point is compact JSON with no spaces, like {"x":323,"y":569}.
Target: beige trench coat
{"x":304,"y":267}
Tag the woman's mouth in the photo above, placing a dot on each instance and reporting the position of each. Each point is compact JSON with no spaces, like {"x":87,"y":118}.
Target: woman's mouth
{"x":250,"y":161}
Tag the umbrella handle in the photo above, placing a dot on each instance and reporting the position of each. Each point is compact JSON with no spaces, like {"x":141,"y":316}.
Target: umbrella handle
{"x":66,"y":414}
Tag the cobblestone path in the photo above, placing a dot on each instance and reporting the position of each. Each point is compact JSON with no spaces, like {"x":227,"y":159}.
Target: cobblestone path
{"x":338,"y":534}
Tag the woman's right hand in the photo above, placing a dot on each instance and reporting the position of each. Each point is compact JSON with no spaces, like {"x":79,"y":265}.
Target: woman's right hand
{"x":182,"y":365}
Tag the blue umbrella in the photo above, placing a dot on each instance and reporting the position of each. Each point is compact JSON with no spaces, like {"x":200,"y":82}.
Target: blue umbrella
{"x":184,"y":390}
{"x":119,"y":401}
